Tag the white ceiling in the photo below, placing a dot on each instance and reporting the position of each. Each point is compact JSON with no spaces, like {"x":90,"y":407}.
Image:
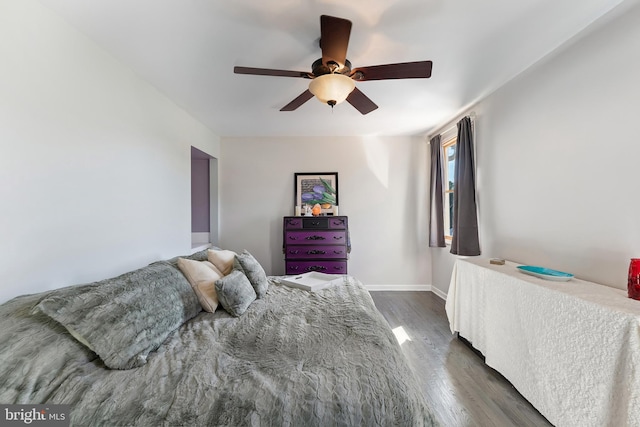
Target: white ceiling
{"x":188,"y":48}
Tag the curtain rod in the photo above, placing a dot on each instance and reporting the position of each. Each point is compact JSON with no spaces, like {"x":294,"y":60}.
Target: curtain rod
{"x":453,"y":124}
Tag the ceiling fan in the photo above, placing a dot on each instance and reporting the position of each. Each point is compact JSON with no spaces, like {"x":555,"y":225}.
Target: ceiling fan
{"x":333,"y":79}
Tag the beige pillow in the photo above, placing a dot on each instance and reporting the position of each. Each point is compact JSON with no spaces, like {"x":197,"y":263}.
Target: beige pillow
{"x":202,"y":276}
{"x":223,"y":259}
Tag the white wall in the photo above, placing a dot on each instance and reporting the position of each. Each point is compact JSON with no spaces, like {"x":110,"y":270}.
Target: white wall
{"x":558,"y":155}
{"x":382,"y":189}
{"x":94,"y":162}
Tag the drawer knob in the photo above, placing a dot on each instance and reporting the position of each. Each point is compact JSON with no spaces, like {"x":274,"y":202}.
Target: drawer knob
{"x":337,"y":237}
{"x":315,"y":238}
{"x":316,"y":268}
{"x":292,"y":251}
{"x":316,"y":252}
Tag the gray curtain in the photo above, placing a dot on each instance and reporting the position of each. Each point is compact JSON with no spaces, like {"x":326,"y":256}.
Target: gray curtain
{"x":436,"y":220}
{"x":465,"y":215}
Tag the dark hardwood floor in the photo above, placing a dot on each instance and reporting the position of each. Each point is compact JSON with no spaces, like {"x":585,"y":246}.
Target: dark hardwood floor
{"x":461,"y":389}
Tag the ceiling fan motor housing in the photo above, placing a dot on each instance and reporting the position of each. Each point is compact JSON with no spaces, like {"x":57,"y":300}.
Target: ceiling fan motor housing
{"x":319,"y":68}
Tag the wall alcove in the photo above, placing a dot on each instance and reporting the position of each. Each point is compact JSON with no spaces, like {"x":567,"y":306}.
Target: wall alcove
{"x":204,"y":200}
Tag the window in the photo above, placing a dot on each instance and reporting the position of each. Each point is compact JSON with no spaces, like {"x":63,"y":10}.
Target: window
{"x":449,"y":150}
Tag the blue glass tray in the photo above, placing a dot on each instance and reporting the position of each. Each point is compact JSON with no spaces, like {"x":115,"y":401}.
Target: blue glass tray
{"x":545,"y":273}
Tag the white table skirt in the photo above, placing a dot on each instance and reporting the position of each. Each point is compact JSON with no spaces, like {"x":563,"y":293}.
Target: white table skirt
{"x":571,"y":348}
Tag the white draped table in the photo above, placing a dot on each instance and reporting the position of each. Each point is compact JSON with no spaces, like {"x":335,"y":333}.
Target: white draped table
{"x":572,"y":348}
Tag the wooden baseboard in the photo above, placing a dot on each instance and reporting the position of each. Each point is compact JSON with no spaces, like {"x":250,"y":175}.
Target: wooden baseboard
{"x":423,"y":288}
{"x":398,"y":287}
{"x":439,"y":293}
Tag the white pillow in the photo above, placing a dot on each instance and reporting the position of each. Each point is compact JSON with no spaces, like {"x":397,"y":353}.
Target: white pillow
{"x":202,"y":276}
{"x":222,"y":259}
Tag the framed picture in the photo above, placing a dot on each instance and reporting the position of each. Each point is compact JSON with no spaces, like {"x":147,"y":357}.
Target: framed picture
{"x":316,"y":188}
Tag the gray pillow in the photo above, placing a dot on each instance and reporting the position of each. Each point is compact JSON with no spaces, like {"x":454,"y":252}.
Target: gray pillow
{"x":235,"y":292}
{"x":254,"y":272}
{"x":124,"y":318}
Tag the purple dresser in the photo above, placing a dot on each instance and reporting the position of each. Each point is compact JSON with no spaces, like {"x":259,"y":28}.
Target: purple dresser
{"x":316,"y":243}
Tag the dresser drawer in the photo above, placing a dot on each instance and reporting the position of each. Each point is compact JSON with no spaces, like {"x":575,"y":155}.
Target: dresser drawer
{"x":329,"y":267}
{"x":316,"y":251}
{"x":315,"y":237}
{"x":338,"y":222}
{"x":293,"y":223}
{"x":315,"y":223}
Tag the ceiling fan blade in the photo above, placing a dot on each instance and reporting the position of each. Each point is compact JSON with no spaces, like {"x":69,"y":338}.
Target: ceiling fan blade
{"x":270,"y":72}
{"x":404,"y":70}
{"x":304,"y":97}
{"x":334,"y":39}
{"x":361,"y":102}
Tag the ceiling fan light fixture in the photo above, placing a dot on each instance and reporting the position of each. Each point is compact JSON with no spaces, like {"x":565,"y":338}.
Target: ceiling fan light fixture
{"x":332,"y":89}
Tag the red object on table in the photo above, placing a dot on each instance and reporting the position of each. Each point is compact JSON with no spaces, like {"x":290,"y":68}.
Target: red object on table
{"x":634,"y":279}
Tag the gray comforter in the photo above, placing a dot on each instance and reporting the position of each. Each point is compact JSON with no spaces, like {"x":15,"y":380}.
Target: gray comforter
{"x":294,"y":358}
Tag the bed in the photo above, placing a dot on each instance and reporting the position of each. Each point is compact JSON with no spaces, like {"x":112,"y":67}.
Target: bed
{"x":293,"y":358}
